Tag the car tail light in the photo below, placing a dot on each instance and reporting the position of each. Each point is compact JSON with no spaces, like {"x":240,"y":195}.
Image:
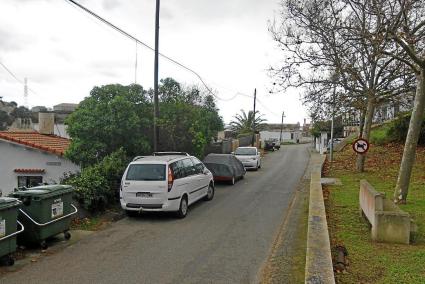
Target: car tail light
{"x":170,"y":179}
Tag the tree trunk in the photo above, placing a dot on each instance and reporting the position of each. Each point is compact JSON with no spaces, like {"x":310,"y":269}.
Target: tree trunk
{"x":361,"y":122}
{"x":370,"y":110}
{"x":409,"y":153}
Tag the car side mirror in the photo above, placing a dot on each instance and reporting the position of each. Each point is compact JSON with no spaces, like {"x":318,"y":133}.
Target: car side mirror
{"x":206,"y":171}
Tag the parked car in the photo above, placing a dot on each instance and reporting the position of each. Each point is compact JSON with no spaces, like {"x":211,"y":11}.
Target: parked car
{"x":225,"y":167}
{"x":269,"y":145}
{"x":165,"y":183}
{"x":249,"y":156}
{"x":276,"y":144}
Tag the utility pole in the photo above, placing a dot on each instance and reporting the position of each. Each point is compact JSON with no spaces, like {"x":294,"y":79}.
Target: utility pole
{"x":331,"y":148}
{"x":155,"y":98}
{"x":135,"y":66}
{"x":253,"y":119}
{"x":26,"y":92}
{"x":281,"y":128}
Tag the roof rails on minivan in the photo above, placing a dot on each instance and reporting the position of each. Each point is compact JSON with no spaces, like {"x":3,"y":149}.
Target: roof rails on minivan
{"x":170,"y":154}
{"x":138,"y":158}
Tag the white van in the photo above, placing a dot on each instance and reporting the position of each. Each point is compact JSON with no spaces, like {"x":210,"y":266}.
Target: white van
{"x":169,"y":182}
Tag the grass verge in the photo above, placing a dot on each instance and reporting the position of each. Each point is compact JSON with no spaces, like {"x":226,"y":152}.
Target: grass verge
{"x":371,"y":262}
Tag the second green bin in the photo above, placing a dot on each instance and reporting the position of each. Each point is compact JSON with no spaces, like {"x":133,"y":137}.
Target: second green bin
{"x":46,"y":212}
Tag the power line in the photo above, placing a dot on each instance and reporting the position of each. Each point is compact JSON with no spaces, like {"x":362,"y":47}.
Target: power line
{"x":145,"y":45}
{"x":11,"y":73}
{"x":15,"y":77}
{"x":126,"y":34}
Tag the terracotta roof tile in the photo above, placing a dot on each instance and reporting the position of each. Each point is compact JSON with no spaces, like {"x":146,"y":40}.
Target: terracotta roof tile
{"x":30,"y":171}
{"x":49,"y":143}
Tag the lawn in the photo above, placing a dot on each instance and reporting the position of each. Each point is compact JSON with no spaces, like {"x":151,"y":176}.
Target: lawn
{"x":371,"y":262}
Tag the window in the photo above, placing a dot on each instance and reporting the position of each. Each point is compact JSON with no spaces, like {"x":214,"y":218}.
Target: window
{"x":246,"y":151}
{"x":29,"y":181}
{"x":189,"y":168}
{"x":151,"y":172}
{"x":178,"y":170}
{"x":199,"y":167}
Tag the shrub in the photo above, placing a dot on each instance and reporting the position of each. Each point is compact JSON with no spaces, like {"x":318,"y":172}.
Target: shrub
{"x":97,"y":186}
{"x":381,"y":135}
{"x":91,"y":189}
{"x":399,"y":128}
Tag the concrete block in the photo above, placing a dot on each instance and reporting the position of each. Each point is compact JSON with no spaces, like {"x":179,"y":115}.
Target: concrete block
{"x":370,"y":201}
{"x":391,"y":227}
{"x":389,"y":223}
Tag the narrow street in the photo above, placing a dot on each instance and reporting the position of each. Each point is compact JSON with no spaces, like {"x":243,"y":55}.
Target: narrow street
{"x":226,"y":240}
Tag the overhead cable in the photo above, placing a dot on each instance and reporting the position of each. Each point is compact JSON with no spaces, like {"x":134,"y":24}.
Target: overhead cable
{"x":126,"y":34}
{"x":145,"y":45}
{"x":15,"y":77}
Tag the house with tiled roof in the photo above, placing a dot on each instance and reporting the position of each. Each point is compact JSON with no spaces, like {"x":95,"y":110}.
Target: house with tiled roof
{"x":29,"y":158}
{"x":281,"y":132}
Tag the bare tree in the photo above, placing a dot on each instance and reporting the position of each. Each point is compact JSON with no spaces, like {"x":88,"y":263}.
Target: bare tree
{"x":406,"y":26}
{"x":339,"y":44}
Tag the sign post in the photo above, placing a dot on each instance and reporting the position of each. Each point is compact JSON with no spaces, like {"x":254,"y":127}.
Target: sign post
{"x":361,"y":146}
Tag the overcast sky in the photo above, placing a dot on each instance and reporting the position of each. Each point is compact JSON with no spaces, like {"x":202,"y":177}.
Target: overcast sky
{"x":65,"y":52}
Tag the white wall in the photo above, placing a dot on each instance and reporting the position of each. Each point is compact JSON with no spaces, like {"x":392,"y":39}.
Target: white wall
{"x":15,"y":156}
{"x":59,"y":129}
{"x":286,"y":135}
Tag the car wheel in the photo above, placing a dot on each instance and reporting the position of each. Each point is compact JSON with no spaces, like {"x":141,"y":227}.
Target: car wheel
{"x":43,"y":245}
{"x":233,"y":180}
{"x":67,"y":235}
{"x":259,"y":165}
{"x":183,"y":208}
{"x":210,"y":193}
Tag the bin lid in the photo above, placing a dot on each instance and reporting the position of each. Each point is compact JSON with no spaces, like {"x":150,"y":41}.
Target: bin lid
{"x":44,"y":191}
{"x":6,"y":202}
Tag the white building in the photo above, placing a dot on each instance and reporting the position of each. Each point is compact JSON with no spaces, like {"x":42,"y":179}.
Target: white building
{"x":290,"y":132}
{"x":31,"y":158}
{"x":65,"y":107}
{"x":59,"y":129}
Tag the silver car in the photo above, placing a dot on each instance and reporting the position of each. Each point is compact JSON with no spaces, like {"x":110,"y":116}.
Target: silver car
{"x":249,"y":156}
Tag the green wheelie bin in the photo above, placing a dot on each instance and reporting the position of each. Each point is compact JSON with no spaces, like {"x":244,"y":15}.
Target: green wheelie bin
{"x":9,"y":228}
{"x":46,"y":212}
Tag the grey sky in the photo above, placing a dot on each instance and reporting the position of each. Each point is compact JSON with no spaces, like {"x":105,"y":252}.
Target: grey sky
{"x":65,"y":52}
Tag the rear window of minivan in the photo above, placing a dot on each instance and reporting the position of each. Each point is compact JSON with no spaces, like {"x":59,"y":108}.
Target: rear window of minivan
{"x":152,"y":172}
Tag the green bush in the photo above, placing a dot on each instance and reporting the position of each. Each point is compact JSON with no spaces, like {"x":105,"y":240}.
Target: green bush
{"x":380,"y":135}
{"x":97,"y":186}
{"x":91,"y":189}
{"x":399,"y":127}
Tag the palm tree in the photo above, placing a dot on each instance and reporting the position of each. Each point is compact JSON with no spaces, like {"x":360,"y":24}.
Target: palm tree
{"x":242,"y":123}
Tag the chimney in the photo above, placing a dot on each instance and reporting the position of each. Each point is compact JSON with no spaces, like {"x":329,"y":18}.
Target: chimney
{"x":46,"y":123}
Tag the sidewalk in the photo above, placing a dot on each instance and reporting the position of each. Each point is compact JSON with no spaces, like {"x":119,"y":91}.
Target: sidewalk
{"x":286,"y":263}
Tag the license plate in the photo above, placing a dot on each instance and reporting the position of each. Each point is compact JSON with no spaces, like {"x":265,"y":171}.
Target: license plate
{"x":144,"y":194}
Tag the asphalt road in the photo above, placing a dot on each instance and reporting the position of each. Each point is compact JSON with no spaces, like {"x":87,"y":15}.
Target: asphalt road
{"x":226,"y":240}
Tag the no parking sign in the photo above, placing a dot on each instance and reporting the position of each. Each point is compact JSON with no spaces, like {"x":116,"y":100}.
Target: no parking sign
{"x":361,"y":146}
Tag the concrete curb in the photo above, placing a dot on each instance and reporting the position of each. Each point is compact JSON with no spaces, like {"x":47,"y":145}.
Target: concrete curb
{"x":318,"y":267}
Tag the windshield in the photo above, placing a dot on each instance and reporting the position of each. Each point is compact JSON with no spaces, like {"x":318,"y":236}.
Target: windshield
{"x":146,"y":172}
{"x":246,"y":151}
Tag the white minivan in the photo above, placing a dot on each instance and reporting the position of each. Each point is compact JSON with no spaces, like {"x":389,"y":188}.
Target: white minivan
{"x":165,"y":182}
